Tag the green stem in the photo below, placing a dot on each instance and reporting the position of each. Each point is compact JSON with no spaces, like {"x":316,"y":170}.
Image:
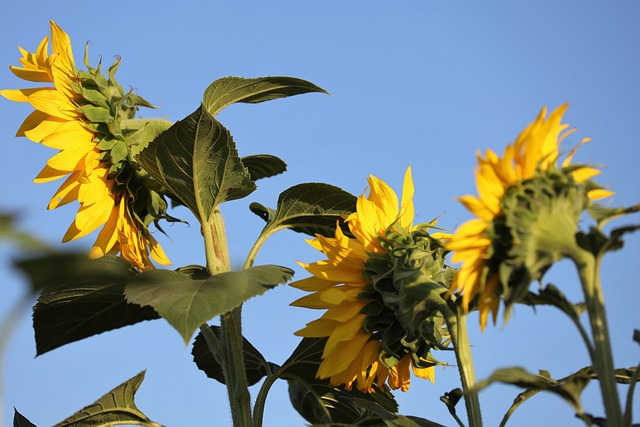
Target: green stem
{"x":261,"y":400}
{"x":457,"y":326}
{"x":589,"y":272}
{"x":232,"y":357}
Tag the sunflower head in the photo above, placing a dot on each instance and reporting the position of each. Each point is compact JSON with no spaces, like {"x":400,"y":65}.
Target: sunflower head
{"x":528,"y":210}
{"x":379,"y":287}
{"x":90,"y":119}
{"x":408,"y":283}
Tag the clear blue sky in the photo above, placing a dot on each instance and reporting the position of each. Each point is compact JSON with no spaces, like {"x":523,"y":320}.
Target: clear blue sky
{"x":418,"y":83}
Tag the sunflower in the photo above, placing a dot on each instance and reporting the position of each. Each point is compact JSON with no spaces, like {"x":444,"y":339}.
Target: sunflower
{"x":81,"y":119}
{"x":525,"y":164}
{"x":358,"y":350}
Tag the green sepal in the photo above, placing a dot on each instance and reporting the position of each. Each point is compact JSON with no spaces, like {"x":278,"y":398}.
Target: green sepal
{"x":186,"y":303}
{"x":197,"y":161}
{"x":20,"y":420}
{"x":114,"y":408}
{"x":229,"y":90}
{"x":310,"y":208}
{"x":96,"y":114}
{"x":107,"y":143}
{"x":119,"y":152}
{"x":91,"y":95}
{"x":255,"y":364}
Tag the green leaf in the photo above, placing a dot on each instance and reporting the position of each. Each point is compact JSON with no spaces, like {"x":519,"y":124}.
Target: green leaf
{"x":114,"y":408}
{"x":80,"y":298}
{"x":197,"y":161}
{"x":229,"y":90}
{"x":186,"y":303}
{"x":20,"y":421}
{"x":623,"y":376}
{"x":263,"y":166}
{"x":602,"y":214}
{"x":569,"y":389}
{"x":308,"y":208}
{"x":255,"y":364}
{"x":551,"y":295}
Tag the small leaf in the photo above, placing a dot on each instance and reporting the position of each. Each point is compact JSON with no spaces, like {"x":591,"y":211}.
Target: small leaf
{"x":21,"y":421}
{"x":255,"y":364}
{"x":263,"y":166}
{"x":187,"y":303}
{"x":197,"y":161}
{"x":451,"y":399}
{"x":551,"y":295}
{"x":80,"y":298}
{"x":311,"y":208}
{"x":229,"y":90}
{"x":581,"y":377}
{"x":602,"y":214}
{"x":569,"y":388}
{"x":114,"y":408}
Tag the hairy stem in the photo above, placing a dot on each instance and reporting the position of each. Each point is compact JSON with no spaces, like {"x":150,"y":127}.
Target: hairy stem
{"x":232,"y":357}
{"x":457,"y":326}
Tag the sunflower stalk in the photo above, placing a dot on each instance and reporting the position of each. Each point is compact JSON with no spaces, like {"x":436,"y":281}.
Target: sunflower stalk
{"x":456,"y":321}
{"x":589,"y":271}
{"x":232,"y":358}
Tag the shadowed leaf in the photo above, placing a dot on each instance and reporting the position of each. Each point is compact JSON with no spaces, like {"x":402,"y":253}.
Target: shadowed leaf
{"x":114,"y":408}
{"x":229,"y":90}
{"x":80,"y":298}
{"x":20,"y":420}
{"x":255,"y":364}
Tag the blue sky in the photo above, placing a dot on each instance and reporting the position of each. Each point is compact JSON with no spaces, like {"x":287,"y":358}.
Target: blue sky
{"x":418,"y":83}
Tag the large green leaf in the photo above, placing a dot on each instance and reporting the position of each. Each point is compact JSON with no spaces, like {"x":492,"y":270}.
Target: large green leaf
{"x":186,"y":303}
{"x":197,"y":161}
{"x":20,"y":420}
{"x":80,"y":298}
{"x":308,"y":208}
{"x":229,"y":90}
{"x":116,"y":407}
{"x":255,"y":364}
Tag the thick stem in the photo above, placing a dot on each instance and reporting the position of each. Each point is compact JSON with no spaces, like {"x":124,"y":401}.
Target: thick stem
{"x":588,"y":269}
{"x":457,"y":326}
{"x":232,"y":357}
